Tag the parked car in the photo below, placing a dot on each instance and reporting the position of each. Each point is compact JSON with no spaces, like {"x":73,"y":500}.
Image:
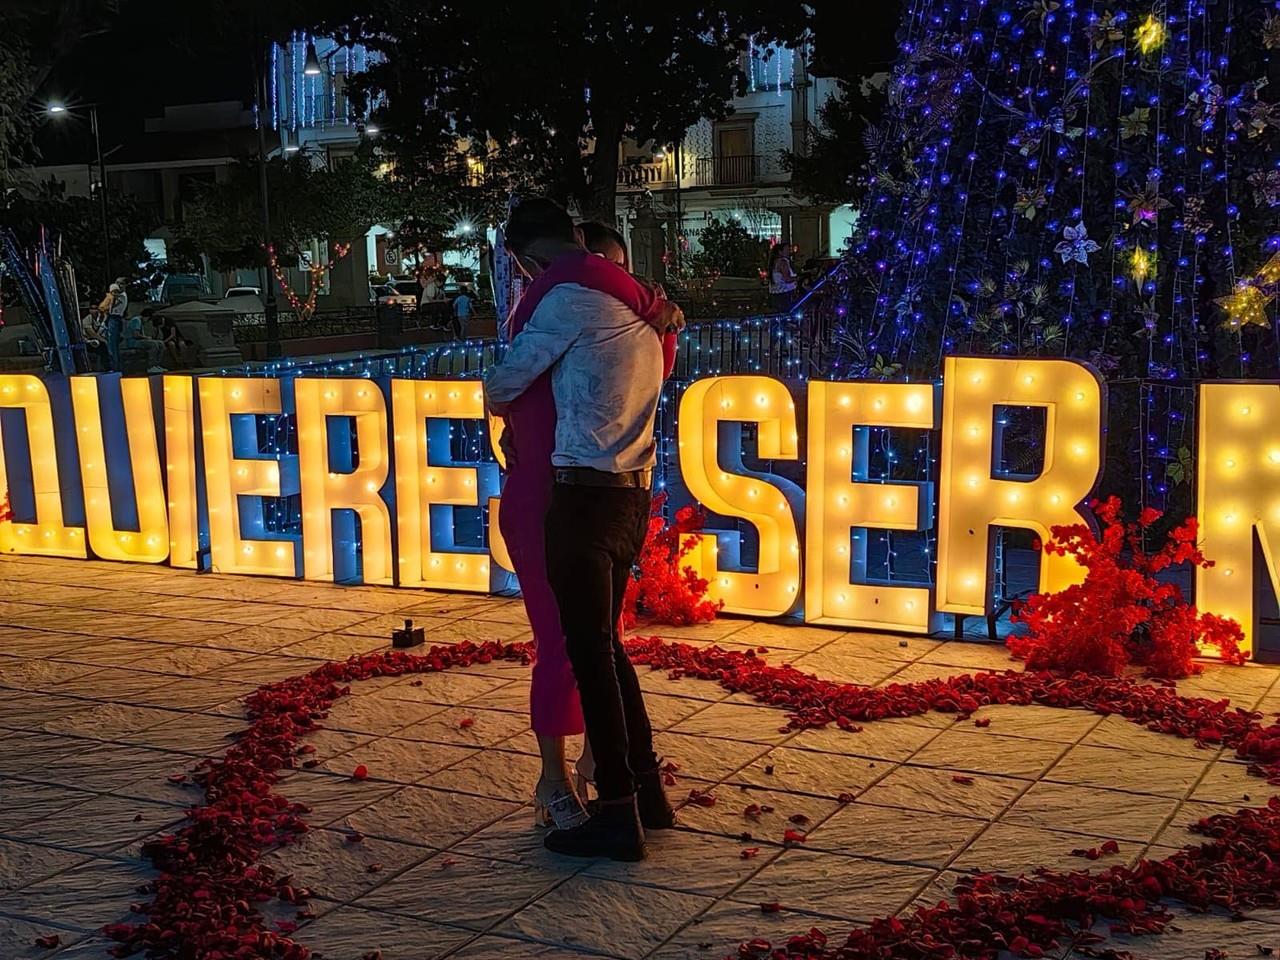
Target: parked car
{"x":400,"y":293}
{"x":241,"y":292}
{"x":183,"y":288}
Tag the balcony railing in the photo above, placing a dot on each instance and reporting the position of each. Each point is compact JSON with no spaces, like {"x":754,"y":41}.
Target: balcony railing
{"x":728,"y":171}
{"x":637,"y":176}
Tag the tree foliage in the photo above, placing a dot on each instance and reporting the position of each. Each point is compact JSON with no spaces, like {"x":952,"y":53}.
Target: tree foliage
{"x":547,"y":92}
{"x":835,"y":165}
{"x":729,"y":249}
{"x":338,"y":203}
{"x":75,"y":223}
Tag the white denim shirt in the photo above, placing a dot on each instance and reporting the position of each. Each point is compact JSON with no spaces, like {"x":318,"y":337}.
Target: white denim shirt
{"x":606,"y":375}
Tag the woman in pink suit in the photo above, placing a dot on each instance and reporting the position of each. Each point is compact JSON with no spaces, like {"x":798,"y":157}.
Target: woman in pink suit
{"x":528,"y":441}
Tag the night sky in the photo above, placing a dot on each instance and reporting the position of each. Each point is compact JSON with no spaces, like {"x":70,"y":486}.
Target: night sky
{"x":156,"y":52}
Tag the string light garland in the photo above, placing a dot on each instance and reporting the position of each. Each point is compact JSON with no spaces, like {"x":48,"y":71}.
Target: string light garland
{"x":304,"y":308}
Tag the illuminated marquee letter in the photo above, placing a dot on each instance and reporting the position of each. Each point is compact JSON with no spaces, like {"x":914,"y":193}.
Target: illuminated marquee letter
{"x":712,"y":413}
{"x":840,"y":498}
{"x":180,"y":470}
{"x":429,"y":484}
{"x":327,"y":410}
{"x":237,"y":477}
{"x":144,"y":499}
{"x":972,"y":500}
{"x":1239,"y":495}
{"x":47,"y":536}
{"x":498,"y":546}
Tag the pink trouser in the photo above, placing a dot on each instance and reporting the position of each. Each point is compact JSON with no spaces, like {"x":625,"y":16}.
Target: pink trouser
{"x":554,"y":707}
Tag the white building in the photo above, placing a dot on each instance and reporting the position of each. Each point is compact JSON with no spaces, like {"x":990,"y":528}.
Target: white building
{"x":732,"y":170}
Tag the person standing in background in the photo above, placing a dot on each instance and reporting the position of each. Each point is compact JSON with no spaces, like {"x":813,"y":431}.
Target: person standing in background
{"x":782,"y":278}
{"x":114,"y":306}
{"x":461,"y":312}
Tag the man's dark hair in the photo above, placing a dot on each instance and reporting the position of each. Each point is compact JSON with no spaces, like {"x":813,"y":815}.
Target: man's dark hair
{"x":537,"y":218}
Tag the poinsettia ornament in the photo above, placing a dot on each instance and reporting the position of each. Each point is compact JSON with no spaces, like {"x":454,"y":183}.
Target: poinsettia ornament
{"x":1076,"y":244}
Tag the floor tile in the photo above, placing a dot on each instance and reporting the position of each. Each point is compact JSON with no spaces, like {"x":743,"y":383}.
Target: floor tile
{"x":22,"y":863}
{"x":396,"y":761}
{"x":945,"y":791}
{"x":342,"y":865}
{"x":903,"y":835}
{"x":88,"y":895}
{"x":494,"y":890}
{"x":1228,"y":782}
{"x":1039,"y":723}
{"x":616,"y":918}
{"x":350,"y":933}
{"x":725,"y":926}
{"x":1091,"y":811}
{"x":1009,"y":849}
{"x":705,"y":758}
{"x":681,"y":860}
{"x":1130,"y":770}
{"x":877,"y":739}
{"x":430,"y":817}
{"x":807,"y":771}
{"x":755,"y":816}
{"x":835,"y":886}
{"x":101,"y":825}
{"x":977,"y":750}
{"x":491,"y":773}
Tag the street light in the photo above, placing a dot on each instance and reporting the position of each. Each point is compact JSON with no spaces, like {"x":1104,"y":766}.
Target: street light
{"x":312,"y":66}
{"x":56,"y":109}
{"x":270,"y":313}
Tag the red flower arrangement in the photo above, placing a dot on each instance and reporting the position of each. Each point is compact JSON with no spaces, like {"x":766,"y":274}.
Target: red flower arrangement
{"x":665,"y":589}
{"x":1121,"y":615}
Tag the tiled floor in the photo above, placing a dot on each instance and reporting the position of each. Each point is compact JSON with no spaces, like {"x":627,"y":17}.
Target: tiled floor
{"x":113,"y":677}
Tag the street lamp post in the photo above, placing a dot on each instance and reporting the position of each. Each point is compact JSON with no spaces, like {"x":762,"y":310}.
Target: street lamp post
{"x":56,"y":109}
{"x":269,"y":308}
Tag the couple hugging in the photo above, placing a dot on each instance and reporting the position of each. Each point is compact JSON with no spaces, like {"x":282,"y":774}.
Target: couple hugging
{"x":578,"y":391}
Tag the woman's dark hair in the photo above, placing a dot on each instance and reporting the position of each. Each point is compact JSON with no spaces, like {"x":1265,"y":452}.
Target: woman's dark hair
{"x":774,"y":253}
{"x":537,"y":218}
{"x":596,"y":235}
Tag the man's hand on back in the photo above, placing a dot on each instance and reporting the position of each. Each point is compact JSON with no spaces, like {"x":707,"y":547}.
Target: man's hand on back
{"x":507,"y":444}
{"x":666,"y":317}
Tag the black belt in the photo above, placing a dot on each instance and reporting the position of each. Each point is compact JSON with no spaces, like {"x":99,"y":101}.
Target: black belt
{"x":587,"y":477}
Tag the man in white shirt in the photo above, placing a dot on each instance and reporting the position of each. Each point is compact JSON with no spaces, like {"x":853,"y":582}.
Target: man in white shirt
{"x":606,"y":376}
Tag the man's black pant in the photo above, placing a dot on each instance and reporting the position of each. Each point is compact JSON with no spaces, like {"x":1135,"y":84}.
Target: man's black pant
{"x":594,"y":535}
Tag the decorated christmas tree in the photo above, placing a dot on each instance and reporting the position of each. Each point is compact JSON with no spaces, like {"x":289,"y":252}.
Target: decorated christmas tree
{"x":1082,"y":179}
{"x":1097,"y":180}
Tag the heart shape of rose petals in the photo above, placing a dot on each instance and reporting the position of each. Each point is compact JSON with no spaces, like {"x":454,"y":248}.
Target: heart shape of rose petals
{"x":205,"y":900}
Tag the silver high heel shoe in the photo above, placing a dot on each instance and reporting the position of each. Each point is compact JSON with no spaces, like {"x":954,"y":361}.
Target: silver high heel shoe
{"x":555,"y":804}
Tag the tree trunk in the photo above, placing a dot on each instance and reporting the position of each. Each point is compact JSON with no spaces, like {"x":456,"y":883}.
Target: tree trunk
{"x":570,"y":183}
{"x":601,"y":203}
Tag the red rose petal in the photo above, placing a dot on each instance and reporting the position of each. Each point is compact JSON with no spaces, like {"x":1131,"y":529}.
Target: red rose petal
{"x":360,"y":773}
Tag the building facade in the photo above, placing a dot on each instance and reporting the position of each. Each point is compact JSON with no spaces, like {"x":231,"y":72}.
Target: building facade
{"x":732,"y":170}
